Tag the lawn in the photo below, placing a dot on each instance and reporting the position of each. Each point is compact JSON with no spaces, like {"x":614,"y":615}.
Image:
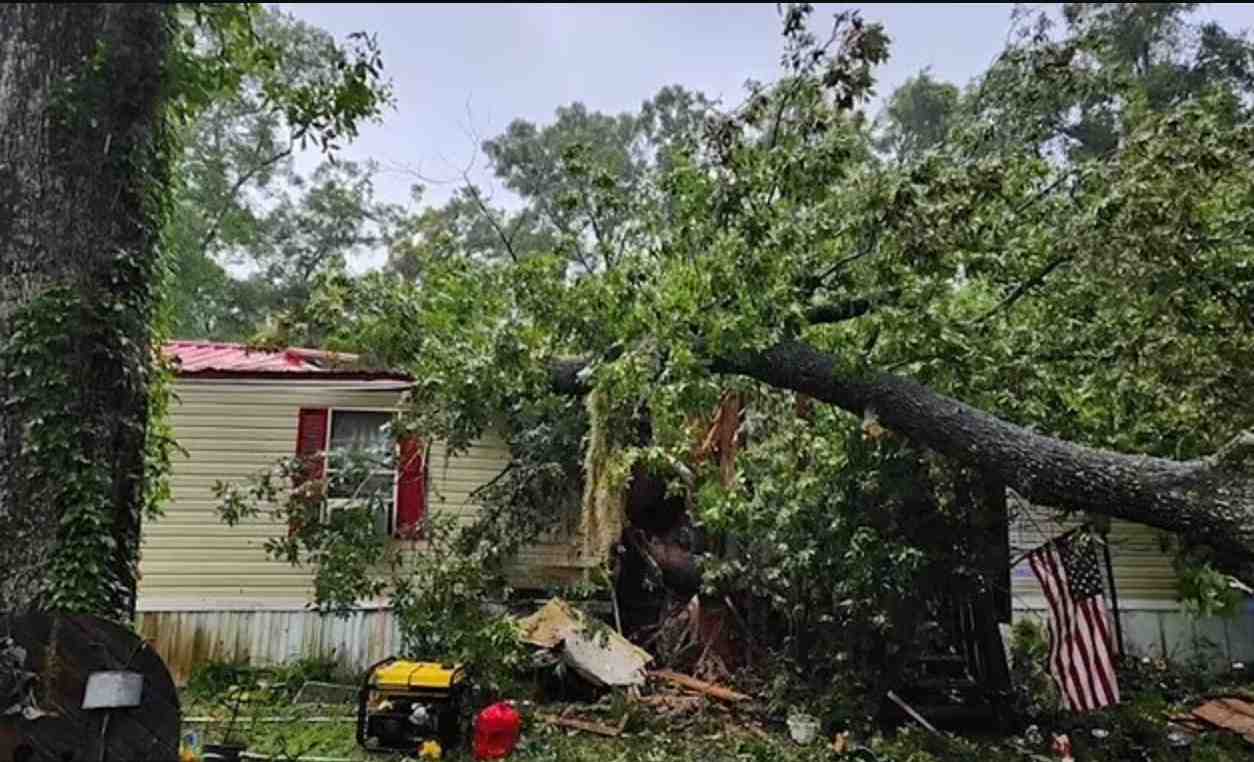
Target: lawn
{"x":1135,"y":731}
{"x":667,"y":724}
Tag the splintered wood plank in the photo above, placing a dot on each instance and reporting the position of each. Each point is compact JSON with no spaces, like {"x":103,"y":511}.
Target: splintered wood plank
{"x":700,"y":686}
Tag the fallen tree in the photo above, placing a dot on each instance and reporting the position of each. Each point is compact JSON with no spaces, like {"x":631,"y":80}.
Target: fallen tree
{"x":1101,"y":297}
{"x":1208,"y":501}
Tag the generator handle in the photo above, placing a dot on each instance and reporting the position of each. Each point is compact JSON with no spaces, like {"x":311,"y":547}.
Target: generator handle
{"x":371,"y":669}
{"x":364,"y":697}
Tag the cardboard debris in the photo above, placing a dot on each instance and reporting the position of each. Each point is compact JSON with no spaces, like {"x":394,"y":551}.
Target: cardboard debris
{"x":591,"y":648}
{"x":1230,"y":714}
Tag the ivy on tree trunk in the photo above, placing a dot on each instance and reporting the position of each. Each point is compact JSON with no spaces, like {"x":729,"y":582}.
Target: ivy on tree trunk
{"x":83,"y":169}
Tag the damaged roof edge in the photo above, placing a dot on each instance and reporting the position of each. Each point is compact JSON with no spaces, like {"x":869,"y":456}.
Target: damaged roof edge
{"x":227,"y":360}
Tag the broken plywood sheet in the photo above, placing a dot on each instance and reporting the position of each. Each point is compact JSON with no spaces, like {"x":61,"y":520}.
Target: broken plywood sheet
{"x":590,"y":647}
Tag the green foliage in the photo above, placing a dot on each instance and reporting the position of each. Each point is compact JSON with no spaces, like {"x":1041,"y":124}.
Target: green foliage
{"x":918,"y":116}
{"x":436,"y":584}
{"x":1093,"y":289}
{"x":440,"y":600}
{"x":240,"y":203}
{"x":1204,"y":590}
{"x":82,"y":576}
{"x":213,"y":680}
{"x":1035,"y":692}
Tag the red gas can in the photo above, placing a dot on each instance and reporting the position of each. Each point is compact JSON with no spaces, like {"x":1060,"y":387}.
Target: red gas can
{"x":496,"y":731}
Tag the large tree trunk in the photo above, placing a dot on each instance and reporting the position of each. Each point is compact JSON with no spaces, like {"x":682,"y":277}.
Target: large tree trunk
{"x":82,"y":171}
{"x":1208,"y":501}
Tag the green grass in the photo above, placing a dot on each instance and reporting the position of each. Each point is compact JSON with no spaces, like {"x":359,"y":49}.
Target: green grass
{"x":713,"y":736}
{"x":1135,"y":730}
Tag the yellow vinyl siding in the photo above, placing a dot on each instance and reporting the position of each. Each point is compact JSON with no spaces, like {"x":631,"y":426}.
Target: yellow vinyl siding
{"x":1143,"y":572}
{"x":233,"y":429}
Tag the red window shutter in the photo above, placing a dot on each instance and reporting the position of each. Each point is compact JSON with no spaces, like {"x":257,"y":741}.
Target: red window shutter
{"x":411,"y":490}
{"x":311,"y":440}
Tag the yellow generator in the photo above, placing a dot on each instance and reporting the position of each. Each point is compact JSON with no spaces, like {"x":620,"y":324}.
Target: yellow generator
{"x":407,"y":705}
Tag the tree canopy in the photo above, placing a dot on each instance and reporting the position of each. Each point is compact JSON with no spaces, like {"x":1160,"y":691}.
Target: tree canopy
{"x":250,"y":231}
{"x":1099,"y":295}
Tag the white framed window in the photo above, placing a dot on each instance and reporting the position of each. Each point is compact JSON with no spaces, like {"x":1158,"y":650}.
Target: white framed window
{"x":365,"y":433}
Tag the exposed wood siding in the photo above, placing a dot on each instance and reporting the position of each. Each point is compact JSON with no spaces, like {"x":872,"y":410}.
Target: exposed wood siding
{"x":233,"y":429}
{"x":1143,"y":572}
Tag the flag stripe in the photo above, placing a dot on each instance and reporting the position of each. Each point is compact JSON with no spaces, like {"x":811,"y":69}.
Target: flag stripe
{"x":1055,"y":636}
{"x":1087,"y":634}
{"x":1081,"y":659}
{"x":1096,"y":614}
{"x":1058,"y":634}
{"x":1100,"y":617}
{"x":1073,"y":647}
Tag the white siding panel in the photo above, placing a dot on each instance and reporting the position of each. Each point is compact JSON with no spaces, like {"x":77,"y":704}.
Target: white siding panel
{"x":1143,"y":571}
{"x":232,"y":430}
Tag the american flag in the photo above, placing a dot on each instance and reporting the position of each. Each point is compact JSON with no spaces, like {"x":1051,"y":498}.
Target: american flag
{"x":1081,"y":657}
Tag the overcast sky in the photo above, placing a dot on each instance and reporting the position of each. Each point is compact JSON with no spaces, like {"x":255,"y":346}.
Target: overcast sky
{"x":465,"y":70}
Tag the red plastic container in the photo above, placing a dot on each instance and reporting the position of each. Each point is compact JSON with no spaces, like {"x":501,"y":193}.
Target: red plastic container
{"x":496,"y":731}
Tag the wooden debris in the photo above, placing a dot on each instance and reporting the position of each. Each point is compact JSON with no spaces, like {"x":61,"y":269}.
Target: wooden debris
{"x":700,"y":686}
{"x":1189,"y":723}
{"x":673,"y":705}
{"x":1230,"y":714}
{"x":893,"y":697}
{"x":588,"y":726}
{"x":840,"y":743}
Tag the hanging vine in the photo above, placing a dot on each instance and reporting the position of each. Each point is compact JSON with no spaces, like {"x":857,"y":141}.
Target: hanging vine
{"x":89,"y":445}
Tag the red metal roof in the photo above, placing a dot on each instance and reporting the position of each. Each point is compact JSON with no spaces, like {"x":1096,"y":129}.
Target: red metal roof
{"x":215,"y":359}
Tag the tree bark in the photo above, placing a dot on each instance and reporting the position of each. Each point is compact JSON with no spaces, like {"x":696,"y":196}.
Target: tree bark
{"x":83,"y":164}
{"x":1209,"y":501}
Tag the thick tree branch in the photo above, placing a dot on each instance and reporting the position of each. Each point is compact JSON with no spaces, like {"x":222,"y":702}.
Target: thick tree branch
{"x":565,"y":373}
{"x":1208,"y":501}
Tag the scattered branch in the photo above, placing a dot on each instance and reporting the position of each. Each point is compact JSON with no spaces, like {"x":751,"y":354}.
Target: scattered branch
{"x":700,"y":686}
{"x":588,"y":726}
